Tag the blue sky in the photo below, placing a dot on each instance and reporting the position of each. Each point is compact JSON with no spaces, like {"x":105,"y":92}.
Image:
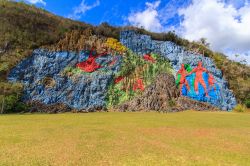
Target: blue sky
{"x":224,"y":23}
{"x":114,"y":12}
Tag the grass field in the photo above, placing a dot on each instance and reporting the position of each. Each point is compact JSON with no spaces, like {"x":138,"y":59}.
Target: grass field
{"x":186,"y":138}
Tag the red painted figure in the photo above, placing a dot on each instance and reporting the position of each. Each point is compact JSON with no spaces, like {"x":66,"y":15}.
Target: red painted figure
{"x":90,"y":64}
{"x":211,"y":81}
{"x":198,"y":77}
{"x":183,"y":80}
{"x":138,"y":85}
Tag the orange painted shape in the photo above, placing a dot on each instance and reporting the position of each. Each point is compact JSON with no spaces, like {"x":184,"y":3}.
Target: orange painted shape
{"x":149,"y":58}
{"x":139,"y":85}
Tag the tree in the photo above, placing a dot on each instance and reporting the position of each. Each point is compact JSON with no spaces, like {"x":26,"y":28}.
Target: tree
{"x":204,"y":42}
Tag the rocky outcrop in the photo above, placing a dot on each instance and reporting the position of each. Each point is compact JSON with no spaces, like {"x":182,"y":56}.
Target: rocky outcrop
{"x":185,"y":103}
{"x":142,"y":44}
{"x":36,"y":106}
{"x":52,"y":77}
{"x":163,"y":95}
{"x":158,"y":96}
{"x":64,"y":77}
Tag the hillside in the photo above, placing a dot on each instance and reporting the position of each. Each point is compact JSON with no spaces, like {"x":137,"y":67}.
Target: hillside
{"x":25,"y":28}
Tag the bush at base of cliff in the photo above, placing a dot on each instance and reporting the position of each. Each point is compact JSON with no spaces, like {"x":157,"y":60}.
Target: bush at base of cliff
{"x":11,"y":104}
{"x":10,"y":96}
{"x":247,"y":103}
{"x":240,"y":108}
{"x":7,"y":103}
{"x":20,"y":107}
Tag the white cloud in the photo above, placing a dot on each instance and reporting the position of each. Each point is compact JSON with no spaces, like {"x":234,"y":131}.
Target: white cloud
{"x":149,"y":18}
{"x":239,"y":57}
{"x":82,"y":9}
{"x":225,"y":26}
{"x":170,"y":11}
{"x":37,"y":1}
{"x":236,"y":3}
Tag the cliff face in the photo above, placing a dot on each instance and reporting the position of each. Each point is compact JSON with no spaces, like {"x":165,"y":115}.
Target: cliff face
{"x":52,"y":77}
{"x":142,"y":44}
{"x":90,"y":80}
{"x":163,"y":95}
{"x":25,"y":28}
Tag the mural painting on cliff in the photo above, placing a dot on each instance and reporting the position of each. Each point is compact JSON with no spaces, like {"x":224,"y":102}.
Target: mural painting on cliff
{"x":222,"y":97}
{"x":90,"y":64}
{"x":197,"y":84}
{"x":76,"y":85}
{"x":89,"y":79}
{"x":135,"y":75}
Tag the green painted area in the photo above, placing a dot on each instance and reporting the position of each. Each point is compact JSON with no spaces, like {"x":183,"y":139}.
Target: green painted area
{"x":72,"y":70}
{"x":113,"y":138}
{"x":76,"y":71}
{"x":133,"y":68}
{"x":177,"y":82}
{"x":188,"y":69}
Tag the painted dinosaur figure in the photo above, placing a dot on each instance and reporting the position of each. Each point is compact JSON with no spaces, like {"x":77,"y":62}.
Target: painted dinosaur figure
{"x":183,"y":73}
{"x":199,"y":78}
{"x":90,"y":64}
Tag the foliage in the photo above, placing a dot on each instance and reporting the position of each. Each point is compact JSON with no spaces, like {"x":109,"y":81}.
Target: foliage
{"x":24,"y":26}
{"x":240,"y":108}
{"x":247,"y":103}
{"x":237,"y":75}
{"x":104,"y":29}
{"x":10,"y":95}
{"x":78,"y":40}
{"x":20,"y":107}
{"x":172,"y":103}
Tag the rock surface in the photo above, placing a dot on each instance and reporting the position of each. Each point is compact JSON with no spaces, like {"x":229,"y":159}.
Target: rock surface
{"x":163,"y":96}
{"x":44,"y":80}
{"x":155,"y":97}
{"x":52,"y":77}
{"x":142,"y":44}
{"x":185,"y":103}
{"x":36,"y":106}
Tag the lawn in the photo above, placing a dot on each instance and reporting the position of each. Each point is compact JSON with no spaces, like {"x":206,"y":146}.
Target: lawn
{"x":113,"y":138}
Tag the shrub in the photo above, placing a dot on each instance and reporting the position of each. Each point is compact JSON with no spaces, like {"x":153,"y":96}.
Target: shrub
{"x":240,"y":108}
{"x":20,"y":107}
{"x":171,"y":103}
{"x":7,"y":103}
{"x":247,"y":103}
